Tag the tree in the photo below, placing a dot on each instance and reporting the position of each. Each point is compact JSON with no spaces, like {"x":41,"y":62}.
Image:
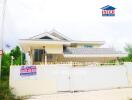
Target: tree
{"x":6,"y":62}
{"x":128,"y":48}
{"x":19,"y":57}
{"x":5,"y":91}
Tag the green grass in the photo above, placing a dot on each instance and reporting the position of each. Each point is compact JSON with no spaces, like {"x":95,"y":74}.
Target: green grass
{"x":5,"y":91}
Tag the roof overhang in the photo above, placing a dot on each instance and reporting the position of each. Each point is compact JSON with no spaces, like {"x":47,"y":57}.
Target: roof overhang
{"x":96,"y":55}
{"x":27,"y":44}
{"x":39,"y":41}
{"x":89,"y":42}
{"x":43,"y":35}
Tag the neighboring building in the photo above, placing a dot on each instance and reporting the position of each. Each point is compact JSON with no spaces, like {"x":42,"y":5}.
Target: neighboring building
{"x":53,"y":47}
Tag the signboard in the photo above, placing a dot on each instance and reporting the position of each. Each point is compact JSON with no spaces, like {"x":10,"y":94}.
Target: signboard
{"x":28,"y":71}
{"x":1,"y":52}
{"x":108,"y":11}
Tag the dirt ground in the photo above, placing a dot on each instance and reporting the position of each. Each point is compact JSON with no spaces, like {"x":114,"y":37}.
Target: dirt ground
{"x":113,"y":94}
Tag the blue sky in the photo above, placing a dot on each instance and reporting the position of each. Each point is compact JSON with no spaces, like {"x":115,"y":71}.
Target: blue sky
{"x":77,"y":19}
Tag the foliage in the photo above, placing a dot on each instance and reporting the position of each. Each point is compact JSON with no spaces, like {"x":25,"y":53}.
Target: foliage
{"x":17,"y":55}
{"x":126,"y":59}
{"x":5,"y":91}
{"x":6,"y":62}
{"x":128,"y":49}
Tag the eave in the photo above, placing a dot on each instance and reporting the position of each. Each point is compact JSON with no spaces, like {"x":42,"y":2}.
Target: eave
{"x":96,"y":55}
{"x":40,"y":41}
{"x":88,"y":42}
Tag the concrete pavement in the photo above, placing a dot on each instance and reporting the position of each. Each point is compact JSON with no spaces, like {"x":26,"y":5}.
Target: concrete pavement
{"x":113,"y":94}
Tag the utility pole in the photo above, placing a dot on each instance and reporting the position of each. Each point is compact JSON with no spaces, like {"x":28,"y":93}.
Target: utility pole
{"x":2,"y":30}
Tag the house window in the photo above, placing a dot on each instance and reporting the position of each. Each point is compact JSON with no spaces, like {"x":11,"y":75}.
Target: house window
{"x":38,"y":54}
{"x":49,"y":57}
{"x":88,"y":46}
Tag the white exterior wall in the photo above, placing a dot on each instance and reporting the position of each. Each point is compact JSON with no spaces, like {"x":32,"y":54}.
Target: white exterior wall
{"x":129,"y":73}
{"x":54,"y":49}
{"x":54,"y":78}
{"x":84,"y":79}
{"x":46,"y":81}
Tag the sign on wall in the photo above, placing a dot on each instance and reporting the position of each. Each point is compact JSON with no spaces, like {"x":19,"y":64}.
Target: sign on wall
{"x":1,"y":52}
{"x":28,"y":71}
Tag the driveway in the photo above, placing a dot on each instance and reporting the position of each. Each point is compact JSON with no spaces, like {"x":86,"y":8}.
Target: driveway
{"x":113,"y":94}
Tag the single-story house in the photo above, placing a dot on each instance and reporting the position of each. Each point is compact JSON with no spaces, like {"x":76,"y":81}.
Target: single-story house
{"x":54,"y":47}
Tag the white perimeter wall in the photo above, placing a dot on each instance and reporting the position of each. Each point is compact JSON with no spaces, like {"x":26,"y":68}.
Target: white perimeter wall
{"x":54,"y":78}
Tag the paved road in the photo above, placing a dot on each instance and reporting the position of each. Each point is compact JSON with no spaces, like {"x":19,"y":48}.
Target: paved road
{"x":113,"y":94}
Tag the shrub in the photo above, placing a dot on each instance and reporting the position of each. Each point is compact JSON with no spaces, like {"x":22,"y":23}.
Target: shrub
{"x":5,"y":91}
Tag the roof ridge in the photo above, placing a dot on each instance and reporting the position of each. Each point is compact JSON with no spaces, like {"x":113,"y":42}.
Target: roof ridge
{"x":60,"y":34}
{"x":38,"y":35}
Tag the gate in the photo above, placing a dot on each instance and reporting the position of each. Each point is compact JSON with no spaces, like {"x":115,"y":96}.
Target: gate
{"x":84,"y":79}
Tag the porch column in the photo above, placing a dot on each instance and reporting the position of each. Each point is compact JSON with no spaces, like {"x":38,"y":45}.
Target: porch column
{"x":31,"y":55}
{"x":45,"y":55}
{"x":28,"y":58}
{"x":45,"y":58}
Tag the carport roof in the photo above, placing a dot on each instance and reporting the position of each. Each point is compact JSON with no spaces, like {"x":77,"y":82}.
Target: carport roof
{"x":93,"y":52}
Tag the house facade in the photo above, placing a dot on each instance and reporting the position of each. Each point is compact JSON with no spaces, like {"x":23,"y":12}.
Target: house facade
{"x":55,"y":48}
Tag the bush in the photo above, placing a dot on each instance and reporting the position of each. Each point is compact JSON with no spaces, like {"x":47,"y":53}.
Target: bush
{"x":5,"y":91}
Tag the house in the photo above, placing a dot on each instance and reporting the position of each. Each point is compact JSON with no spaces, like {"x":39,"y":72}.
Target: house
{"x":108,"y":11}
{"x":54,"y":47}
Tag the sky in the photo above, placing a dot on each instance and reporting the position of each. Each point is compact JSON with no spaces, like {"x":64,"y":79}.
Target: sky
{"x":77,"y":19}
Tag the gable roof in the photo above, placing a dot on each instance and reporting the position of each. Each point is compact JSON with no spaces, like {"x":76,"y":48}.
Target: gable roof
{"x":53,"y":34}
{"x":46,"y":37}
{"x":41,"y":36}
{"x":59,"y":35}
{"x":108,"y":7}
